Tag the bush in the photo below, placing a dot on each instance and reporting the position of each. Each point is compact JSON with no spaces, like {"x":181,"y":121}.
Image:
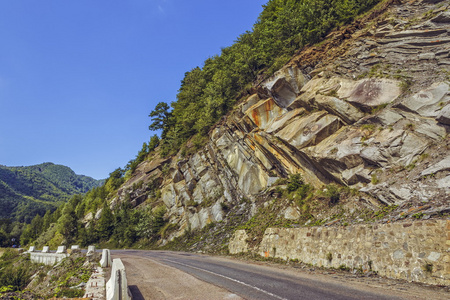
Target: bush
{"x":70,"y":293}
{"x":304,"y":190}
{"x":15,"y":277}
{"x":9,"y":254}
{"x":295,"y":182}
{"x":333,"y":193}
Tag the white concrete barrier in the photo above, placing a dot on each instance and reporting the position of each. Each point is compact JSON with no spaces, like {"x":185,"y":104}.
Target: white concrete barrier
{"x":32,"y":249}
{"x":45,"y":249}
{"x":105,"y":262}
{"x":47,"y":258}
{"x":117,"y":286}
{"x":61,"y":249}
{"x":91,"y":250}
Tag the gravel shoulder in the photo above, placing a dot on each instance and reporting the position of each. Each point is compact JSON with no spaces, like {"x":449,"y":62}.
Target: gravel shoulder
{"x":149,"y":279}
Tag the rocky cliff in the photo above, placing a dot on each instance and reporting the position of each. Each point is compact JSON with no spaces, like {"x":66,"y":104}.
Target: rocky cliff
{"x":368,"y":108}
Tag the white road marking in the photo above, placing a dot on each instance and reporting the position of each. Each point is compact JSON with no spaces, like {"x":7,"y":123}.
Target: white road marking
{"x":229,"y":278}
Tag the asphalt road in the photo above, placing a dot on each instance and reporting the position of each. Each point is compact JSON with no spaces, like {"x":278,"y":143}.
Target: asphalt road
{"x":250,"y":280}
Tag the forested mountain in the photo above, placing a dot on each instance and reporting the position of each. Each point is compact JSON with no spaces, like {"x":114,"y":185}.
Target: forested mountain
{"x":28,"y":191}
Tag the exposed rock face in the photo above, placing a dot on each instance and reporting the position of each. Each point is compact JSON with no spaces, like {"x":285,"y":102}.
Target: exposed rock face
{"x":428,"y":102}
{"x":369,"y":93}
{"x":329,"y":126}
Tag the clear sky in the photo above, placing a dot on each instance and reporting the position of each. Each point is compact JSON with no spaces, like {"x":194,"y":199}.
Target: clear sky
{"x":78,"y":78}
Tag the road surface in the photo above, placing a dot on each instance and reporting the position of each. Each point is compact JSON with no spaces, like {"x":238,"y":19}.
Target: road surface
{"x":180,"y":275}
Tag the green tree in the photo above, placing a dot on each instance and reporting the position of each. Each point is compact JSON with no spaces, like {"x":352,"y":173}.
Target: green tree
{"x":154,"y":142}
{"x":160,"y":117}
{"x":105,"y":224}
{"x":46,"y":220}
{"x":36,"y":227}
{"x":68,"y":224}
{"x":27,"y":235}
{"x":114,"y":181}
{"x":4,"y":239}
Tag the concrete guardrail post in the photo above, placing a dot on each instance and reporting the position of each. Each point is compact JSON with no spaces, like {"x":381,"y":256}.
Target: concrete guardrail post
{"x":117,"y":286}
{"x":61,"y":249}
{"x":105,"y":262}
{"x":32,"y":249}
{"x":45,"y":249}
{"x":91,"y":250}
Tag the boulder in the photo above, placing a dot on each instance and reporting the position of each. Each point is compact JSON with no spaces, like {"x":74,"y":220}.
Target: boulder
{"x":285,"y":85}
{"x":444,"y":183}
{"x":291,"y":213}
{"x":169,"y":195}
{"x":281,"y":121}
{"x":443,"y":116}
{"x":356,"y":175}
{"x":339,"y":152}
{"x":347,"y":112}
{"x":396,"y":147}
{"x":443,"y":17}
{"x":98,"y":213}
{"x":264,"y":112}
{"x":217,"y":211}
{"x":319,"y":86}
{"x":430,"y":128}
{"x":251,"y":100}
{"x":443,"y":165}
{"x":371,"y":92}
{"x":428,"y":102}
{"x":388,"y":117}
{"x":310,"y":130}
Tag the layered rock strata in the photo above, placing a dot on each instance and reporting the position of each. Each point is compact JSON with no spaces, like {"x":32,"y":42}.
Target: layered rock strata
{"x":358,"y":119}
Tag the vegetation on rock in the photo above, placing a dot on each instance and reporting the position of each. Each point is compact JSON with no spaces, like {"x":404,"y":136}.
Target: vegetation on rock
{"x":209,"y":92}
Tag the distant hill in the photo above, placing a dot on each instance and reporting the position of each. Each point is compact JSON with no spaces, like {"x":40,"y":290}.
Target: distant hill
{"x":27,"y":191}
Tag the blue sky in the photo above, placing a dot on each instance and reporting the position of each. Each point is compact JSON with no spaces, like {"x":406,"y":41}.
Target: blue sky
{"x":78,"y":78}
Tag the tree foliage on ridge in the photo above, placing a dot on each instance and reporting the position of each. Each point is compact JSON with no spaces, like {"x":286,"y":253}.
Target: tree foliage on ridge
{"x":284,"y":26}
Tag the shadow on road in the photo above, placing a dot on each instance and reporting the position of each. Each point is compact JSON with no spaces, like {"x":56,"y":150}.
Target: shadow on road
{"x":135,"y":292}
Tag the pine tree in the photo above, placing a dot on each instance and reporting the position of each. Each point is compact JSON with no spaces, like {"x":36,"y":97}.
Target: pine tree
{"x":105,"y":224}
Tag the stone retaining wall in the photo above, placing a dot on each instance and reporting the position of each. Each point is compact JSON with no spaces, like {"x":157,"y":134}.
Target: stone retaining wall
{"x":415,"y":251}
